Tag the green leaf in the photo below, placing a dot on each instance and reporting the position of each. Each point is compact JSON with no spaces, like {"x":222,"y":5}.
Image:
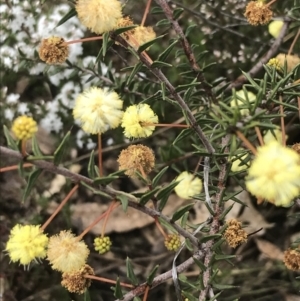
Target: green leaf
{"x":200,"y":264}
{"x":223,"y":286}
{"x":178,"y":214}
{"x":124,"y":29}
{"x":223,"y":257}
{"x":217,"y":295}
{"x":10,"y":141}
{"x":124,"y":201}
{"x":135,"y":70}
{"x":148,"y":195}
{"x":35,"y":147}
{"x":209,"y":237}
{"x":166,"y":191}
{"x":189,"y":245}
{"x":177,"y":12}
{"x":158,"y":64}
{"x":105,"y":180}
{"x":91,"y":169}
{"x":163,"y":56}
{"x":162,"y":23}
{"x":96,"y":191}
{"x":118,"y":290}
{"x":59,"y":152}
{"x":163,"y":90}
{"x":130,"y":273}
{"x":151,"y":276}
{"x":224,"y":213}
{"x":86,"y":296}
{"x":157,"y":178}
{"x":31,"y":181}
{"x":148,"y":44}
{"x":68,"y":16}
{"x":190,"y":28}
{"x":105,"y":44}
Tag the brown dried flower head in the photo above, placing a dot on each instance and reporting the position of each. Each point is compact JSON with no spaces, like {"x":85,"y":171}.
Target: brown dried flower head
{"x":75,"y":282}
{"x":234,"y":234}
{"x":136,"y":158}
{"x":54,"y":50}
{"x":296,"y":148}
{"x":292,"y":259}
{"x":258,"y":13}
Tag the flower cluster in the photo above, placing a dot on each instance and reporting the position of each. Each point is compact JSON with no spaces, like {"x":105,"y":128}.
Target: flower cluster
{"x":26,"y":244}
{"x":136,"y":158}
{"x":54,"y":50}
{"x":292,"y":259}
{"x":99,"y":15}
{"x":257,"y":12}
{"x":234,"y":234}
{"x":188,"y":186}
{"x":76,"y":282}
{"x":172,"y":242}
{"x":66,"y":253}
{"x":274,"y":174}
{"x":102,"y":244}
{"x":98,"y":110}
{"x":24,"y":127}
{"x":136,"y":119}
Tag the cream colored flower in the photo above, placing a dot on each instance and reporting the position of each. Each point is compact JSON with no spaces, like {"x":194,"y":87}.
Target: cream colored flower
{"x":188,"y":185}
{"x":141,"y":35}
{"x":98,"y":110}
{"x":291,"y":60}
{"x":275,"y":28}
{"x":99,"y":15}
{"x":66,"y":253}
{"x":274,"y":174}
{"x":135,"y":121}
{"x":26,"y":243}
{"x":237,"y":103}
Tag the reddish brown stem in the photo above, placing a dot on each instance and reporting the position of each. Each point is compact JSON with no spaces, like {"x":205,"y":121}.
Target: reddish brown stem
{"x":294,"y":42}
{"x":246,"y":142}
{"x":23,"y":148}
{"x":60,"y":207}
{"x":100,"y":155}
{"x":108,"y":280}
{"x":160,"y":228}
{"x":146,"y":12}
{"x":96,"y":221}
{"x":109,"y":210}
{"x":84,"y":40}
{"x":259,"y":136}
{"x":14,"y":167}
{"x":146,"y":293}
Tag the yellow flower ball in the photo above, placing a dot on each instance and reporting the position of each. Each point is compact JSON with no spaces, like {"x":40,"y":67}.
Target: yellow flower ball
{"x":141,"y":35}
{"x":26,"y":243}
{"x":66,"y":253}
{"x":238,"y":103}
{"x":188,"y":185}
{"x":24,"y":127}
{"x":135,"y":121}
{"x":238,"y":163}
{"x":275,"y":28}
{"x":274,"y":174}
{"x":99,"y":15}
{"x":98,"y":110}
{"x":274,"y":135}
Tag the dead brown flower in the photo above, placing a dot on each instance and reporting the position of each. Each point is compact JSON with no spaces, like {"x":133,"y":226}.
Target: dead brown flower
{"x":234,"y":234}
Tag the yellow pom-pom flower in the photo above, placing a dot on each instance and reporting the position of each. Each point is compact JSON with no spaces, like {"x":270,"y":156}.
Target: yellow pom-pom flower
{"x":26,"y":243}
{"x":135,"y":121}
{"x":99,"y":15}
{"x":274,"y":62}
{"x":238,"y":103}
{"x":274,"y":174}
{"x":66,"y":253}
{"x":275,"y":28}
{"x":98,"y":110}
{"x":102,"y":244}
{"x":291,"y":60}
{"x":24,"y":127}
{"x":188,"y":185}
{"x":141,"y":35}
